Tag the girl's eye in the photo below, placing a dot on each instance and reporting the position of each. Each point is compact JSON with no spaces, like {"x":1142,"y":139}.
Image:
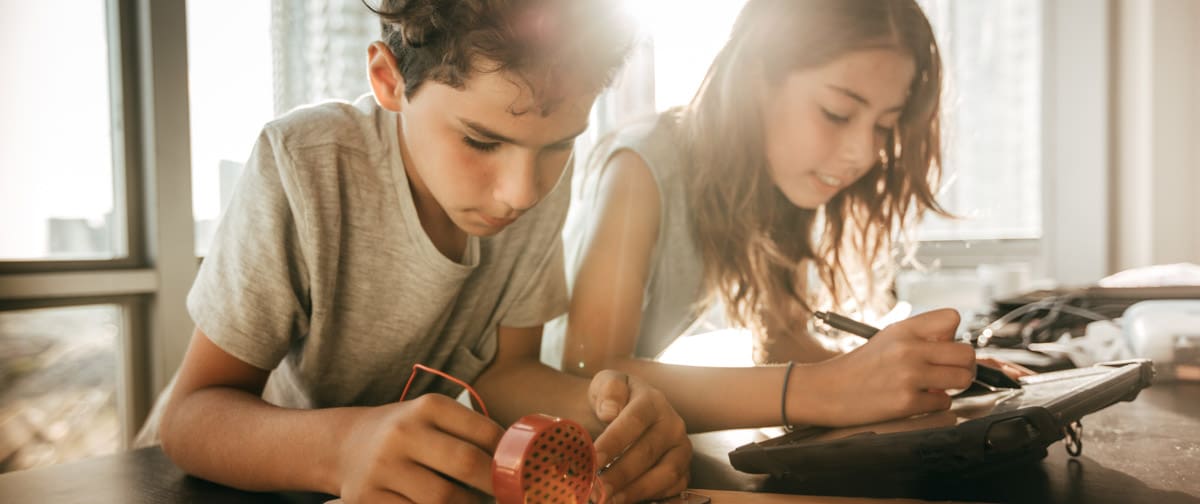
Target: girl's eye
{"x":480,"y":146}
{"x":834,"y":118}
{"x":883,"y":130}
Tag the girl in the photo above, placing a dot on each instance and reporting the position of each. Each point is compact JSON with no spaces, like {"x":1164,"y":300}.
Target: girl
{"x":810,"y":148}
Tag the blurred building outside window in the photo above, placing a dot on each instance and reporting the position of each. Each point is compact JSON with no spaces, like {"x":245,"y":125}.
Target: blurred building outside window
{"x":57,"y":196}
{"x":58,"y":385}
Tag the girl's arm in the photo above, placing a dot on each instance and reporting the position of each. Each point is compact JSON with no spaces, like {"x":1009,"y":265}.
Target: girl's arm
{"x":606,"y":311}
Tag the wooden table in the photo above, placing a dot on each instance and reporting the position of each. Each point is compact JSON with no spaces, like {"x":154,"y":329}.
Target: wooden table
{"x":1147,"y":451}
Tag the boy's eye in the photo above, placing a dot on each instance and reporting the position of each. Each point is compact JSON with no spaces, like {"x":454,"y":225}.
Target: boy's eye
{"x":480,"y":146}
{"x":834,"y":118}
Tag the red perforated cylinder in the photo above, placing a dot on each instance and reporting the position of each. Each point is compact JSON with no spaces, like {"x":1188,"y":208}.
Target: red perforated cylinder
{"x":544,"y":459}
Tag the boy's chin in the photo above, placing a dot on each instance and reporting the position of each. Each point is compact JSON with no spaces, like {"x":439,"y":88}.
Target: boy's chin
{"x":479,"y":228}
{"x":483,"y":233}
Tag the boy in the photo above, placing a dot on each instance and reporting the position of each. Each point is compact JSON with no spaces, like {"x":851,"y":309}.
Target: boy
{"x":420,"y":226}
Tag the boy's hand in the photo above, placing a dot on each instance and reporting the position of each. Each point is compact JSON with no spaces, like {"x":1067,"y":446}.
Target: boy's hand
{"x":902,"y":371}
{"x":429,"y":449}
{"x":645,"y":436}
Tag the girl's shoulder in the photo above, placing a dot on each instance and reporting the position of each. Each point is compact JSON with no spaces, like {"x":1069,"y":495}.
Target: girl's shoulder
{"x":656,"y":129}
{"x":656,"y":141}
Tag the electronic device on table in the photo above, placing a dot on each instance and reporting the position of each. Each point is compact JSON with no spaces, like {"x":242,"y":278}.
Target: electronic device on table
{"x":979,"y":431}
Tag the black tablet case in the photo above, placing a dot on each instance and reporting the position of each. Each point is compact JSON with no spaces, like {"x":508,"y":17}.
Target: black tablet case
{"x":1017,"y":428}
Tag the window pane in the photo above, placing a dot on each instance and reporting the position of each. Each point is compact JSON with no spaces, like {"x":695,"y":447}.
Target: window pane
{"x":250,"y":61}
{"x":992,"y":136}
{"x":230,"y":94}
{"x":56,"y":195}
{"x":58,"y":376}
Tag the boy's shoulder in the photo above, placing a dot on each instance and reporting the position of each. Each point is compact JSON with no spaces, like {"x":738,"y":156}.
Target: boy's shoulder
{"x":360,"y":125}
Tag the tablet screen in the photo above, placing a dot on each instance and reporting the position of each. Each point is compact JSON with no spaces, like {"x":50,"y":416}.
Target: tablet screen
{"x":1038,"y":390}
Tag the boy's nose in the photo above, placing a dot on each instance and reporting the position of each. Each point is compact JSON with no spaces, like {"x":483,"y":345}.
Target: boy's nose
{"x":517,"y":186}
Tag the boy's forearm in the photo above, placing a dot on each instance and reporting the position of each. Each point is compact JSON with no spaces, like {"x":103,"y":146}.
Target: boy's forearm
{"x":235,"y":438}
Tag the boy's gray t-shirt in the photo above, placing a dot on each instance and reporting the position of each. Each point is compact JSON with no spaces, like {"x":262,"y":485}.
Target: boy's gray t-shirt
{"x":321,"y":271}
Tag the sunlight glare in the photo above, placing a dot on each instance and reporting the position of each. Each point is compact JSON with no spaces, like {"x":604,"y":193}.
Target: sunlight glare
{"x":683,"y":50}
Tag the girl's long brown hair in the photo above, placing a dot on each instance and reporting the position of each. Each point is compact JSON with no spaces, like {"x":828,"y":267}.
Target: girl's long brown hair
{"x":756,"y":246}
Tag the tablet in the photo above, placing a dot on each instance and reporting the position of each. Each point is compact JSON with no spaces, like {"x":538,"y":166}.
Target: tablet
{"x":979,"y":431}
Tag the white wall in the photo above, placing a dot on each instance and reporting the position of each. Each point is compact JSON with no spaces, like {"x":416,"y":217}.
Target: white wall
{"x":1156,"y":137}
{"x":1078,"y":118}
{"x":1196,"y":128}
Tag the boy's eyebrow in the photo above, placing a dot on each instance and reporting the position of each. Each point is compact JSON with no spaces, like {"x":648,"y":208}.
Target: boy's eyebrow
{"x":492,"y":135}
{"x":859,"y":98}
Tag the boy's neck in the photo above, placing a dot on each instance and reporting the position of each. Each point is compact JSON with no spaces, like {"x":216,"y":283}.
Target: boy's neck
{"x":437,"y":224}
{"x":445,"y":235}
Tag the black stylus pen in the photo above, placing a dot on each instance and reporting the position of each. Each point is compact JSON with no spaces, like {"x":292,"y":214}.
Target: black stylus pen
{"x":984,"y":374}
{"x":844,"y":323}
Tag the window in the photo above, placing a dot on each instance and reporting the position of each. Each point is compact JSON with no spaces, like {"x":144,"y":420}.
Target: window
{"x":71,"y":233}
{"x":57,"y":198}
{"x":991,"y":154}
{"x":58,"y":385}
{"x":992,"y":133}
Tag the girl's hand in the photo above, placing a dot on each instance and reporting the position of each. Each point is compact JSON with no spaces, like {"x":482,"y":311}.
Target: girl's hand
{"x":902,"y":371}
{"x":645,"y":441}
{"x":428,"y":449}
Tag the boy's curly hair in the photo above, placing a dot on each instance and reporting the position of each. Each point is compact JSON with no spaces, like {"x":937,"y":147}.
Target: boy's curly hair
{"x":538,"y":41}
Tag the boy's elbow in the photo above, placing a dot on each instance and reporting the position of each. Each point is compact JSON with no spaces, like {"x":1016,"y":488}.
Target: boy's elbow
{"x":173,"y":431}
{"x":167,"y":431}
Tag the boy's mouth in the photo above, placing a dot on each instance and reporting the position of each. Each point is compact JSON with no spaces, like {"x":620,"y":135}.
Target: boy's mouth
{"x":496,"y":222}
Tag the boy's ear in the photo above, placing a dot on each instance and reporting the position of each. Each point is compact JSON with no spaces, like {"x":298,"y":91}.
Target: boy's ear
{"x":386,"y":82}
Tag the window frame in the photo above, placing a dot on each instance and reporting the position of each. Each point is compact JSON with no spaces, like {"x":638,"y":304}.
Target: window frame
{"x":122,"y":85}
